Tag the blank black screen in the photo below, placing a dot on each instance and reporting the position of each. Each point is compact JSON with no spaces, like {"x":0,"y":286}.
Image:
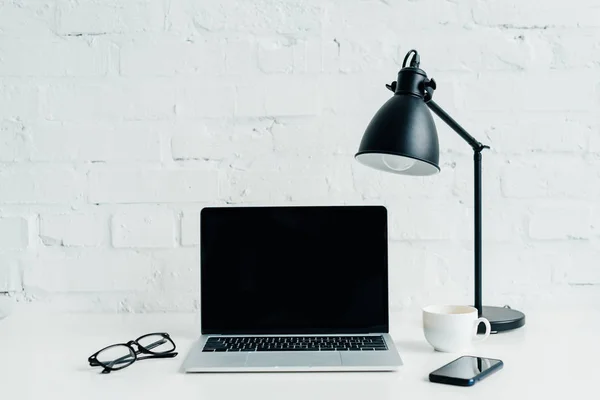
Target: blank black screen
{"x":467,"y":367}
{"x":295,"y":269}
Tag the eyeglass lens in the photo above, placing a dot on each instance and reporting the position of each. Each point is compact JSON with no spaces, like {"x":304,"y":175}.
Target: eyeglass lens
{"x":157,"y":344}
{"x":115,"y":357}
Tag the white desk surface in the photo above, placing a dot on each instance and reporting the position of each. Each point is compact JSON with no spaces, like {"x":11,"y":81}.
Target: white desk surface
{"x":42,"y":355}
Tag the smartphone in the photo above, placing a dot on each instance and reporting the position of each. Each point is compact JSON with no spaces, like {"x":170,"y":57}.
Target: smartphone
{"x":466,"y":370}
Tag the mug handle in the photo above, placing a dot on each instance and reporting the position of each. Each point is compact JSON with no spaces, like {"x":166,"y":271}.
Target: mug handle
{"x":488,"y":329}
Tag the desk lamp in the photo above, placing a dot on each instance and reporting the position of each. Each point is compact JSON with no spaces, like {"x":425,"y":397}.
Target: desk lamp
{"x":402,"y":139}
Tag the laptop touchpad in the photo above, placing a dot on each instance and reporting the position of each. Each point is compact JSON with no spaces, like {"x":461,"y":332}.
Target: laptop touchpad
{"x":293,"y":360}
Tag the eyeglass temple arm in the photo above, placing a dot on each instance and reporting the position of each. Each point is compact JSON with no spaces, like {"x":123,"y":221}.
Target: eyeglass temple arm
{"x":165,"y":355}
{"x":153,"y":345}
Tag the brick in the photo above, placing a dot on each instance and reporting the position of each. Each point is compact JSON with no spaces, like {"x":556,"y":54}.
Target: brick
{"x":18,"y":101}
{"x":574,"y":48}
{"x":224,"y":141}
{"x":14,"y":233}
{"x":64,"y":270}
{"x":504,"y":221}
{"x":297,"y":17}
{"x":517,"y":266}
{"x":190,"y":228}
{"x":514,"y":50}
{"x":274,"y":187}
{"x":143,"y":228}
{"x":291,"y":97}
{"x":391,"y":19}
{"x":152,"y":186}
{"x":429,"y":272}
{"x":180,"y":275}
{"x":323,"y":135}
{"x":429,"y":220}
{"x":201,"y":146}
{"x":108,"y":100}
{"x":555,"y":176}
{"x":346,"y":17}
{"x":330,"y":55}
{"x":201,"y":140}
{"x":74,"y":230}
{"x":276,"y":55}
{"x":595,"y":139}
{"x":535,"y":133}
{"x":10,"y":271}
{"x":365,"y":55}
{"x":240,"y":55}
{"x":92,"y":18}
{"x":24,"y":184}
{"x":250,"y":100}
{"x":293,"y":180}
{"x":521,"y":181}
{"x":67,"y":57}
{"x":33,"y":19}
{"x":595,"y":220}
{"x":170,"y":56}
{"x":538,"y":14}
{"x":199,"y":100}
{"x":93,"y":142}
{"x":504,"y":91}
{"x":560,"y":221}
{"x":276,"y":96}
{"x":14,"y":141}
{"x":574,"y":262}
{"x":307,"y":55}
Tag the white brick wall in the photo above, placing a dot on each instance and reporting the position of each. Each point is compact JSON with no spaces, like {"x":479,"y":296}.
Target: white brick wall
{"x":140,"y":228}
{"x":120,"y":120}
{"x":147,"y":185}
{"x":74,"y":230}
{"x":14,"y":233}
{"x":190,"y":228}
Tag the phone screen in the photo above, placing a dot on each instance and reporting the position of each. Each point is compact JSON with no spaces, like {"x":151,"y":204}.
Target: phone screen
{"x":467,"y":367}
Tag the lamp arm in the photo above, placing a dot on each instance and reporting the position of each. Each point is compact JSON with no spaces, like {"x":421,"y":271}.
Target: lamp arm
{"x":444,"y":116}
{"x":477,"y":148}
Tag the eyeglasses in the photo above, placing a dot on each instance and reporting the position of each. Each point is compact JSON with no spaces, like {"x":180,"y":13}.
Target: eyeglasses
{"x":119,"y":356}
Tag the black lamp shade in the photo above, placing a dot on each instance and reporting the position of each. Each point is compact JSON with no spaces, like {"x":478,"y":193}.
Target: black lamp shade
{"x":402,"y":138}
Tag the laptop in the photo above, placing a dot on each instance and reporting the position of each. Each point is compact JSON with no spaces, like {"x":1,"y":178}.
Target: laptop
{"x":293,"y":288}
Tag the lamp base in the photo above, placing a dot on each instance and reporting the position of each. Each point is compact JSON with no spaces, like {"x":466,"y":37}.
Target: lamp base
{"x":502,"y":319}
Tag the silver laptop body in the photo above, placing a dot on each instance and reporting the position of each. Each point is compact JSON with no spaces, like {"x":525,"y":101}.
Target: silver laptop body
{"x":296,"y":288}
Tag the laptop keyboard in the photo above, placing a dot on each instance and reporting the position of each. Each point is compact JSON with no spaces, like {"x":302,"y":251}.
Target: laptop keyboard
{"x":294,"y":343}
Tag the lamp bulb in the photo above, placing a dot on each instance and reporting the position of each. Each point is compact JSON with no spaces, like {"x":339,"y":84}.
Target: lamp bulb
{"x":397,"y":163}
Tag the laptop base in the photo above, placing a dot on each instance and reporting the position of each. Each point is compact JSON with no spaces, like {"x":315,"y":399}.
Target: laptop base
{"x":291,"y":361}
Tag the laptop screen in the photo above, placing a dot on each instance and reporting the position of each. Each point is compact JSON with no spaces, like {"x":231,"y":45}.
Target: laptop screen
{"x":295,"y":269}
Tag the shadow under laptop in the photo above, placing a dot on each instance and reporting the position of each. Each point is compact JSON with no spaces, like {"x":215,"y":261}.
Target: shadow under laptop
{"x":294,"y":385}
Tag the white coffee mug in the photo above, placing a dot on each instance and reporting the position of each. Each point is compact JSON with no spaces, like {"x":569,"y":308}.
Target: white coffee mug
{"x":453,"y":328}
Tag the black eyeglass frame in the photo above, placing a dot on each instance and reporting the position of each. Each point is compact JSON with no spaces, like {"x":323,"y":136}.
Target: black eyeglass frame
{"x":133,"y":353}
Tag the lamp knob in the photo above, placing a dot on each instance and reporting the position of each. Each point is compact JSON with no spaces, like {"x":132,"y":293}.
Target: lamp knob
{"x":429,"y":86}
{"x":391,"y":86}
{"x":431,"y":83}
